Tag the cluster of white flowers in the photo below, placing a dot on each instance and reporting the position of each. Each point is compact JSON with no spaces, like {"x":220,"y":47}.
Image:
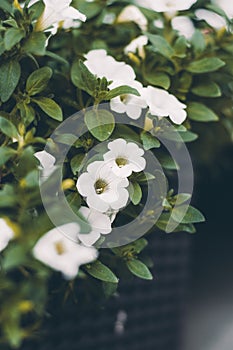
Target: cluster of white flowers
{"x":170,"y":6}
{"x":104,"y":187}
{"x":159,"y":102}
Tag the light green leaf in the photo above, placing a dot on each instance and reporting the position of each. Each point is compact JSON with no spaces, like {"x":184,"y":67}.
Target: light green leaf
{"x":205,"y":65}
{"x":135,"y":193}
{"x":207,"y":89}
{"x":139,"y":269}
{"x":198,"y":42}
{"x":36,"y":44}
{"x":121,"y":90}
{"x":192,"y":215}
{"x":160,"y":45}
{"x":101,"y":272}
{"x":6,"y":6}
{"x":149,"y":141}
{"x":50,"y":107}
{"x":5,"y":154}
{"x":13,"y":37}
{"x":100,"y":123}
{"x":38,"y":80}
{"x":8,"y":128}
{"x":9,"y":78}
{"x":199,"y":112}
{"x":158,"y":79}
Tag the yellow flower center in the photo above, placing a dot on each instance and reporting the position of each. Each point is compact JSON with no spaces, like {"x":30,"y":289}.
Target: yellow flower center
{"x":100,"y":186}
{"x":60,"y":248}
{"x":121,"y":162}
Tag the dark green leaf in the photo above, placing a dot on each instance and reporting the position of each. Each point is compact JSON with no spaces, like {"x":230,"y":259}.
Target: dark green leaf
{"x":5,"y":154}
{"x":160,"y":45}
{"x":13,"y":37}
{"x":207,"y":89}
{"x":35,"y":44}
{"x":50,"y":107}
{"x":158,"y":79}
{"x":121,"y":90}
{"x":101,"y":272}
{"x":8,"y":128}
{"x":76,"y":163}
{"x":109,"y":289}
{"x":192,"y":215}
{"x":38,"y":80}
{"x":83,"y":78}
{"x":14,"y":256}
{"x":139,"y":269}
{"x":9,"y":78}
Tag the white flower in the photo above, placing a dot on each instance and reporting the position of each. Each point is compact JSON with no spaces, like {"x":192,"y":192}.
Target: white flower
{"x":62,"y":254}
{"x":6,"y":234}
{"x":158,"y":23}
{"x":226,"y":6}
{"x":101,"y":64}
{"x":102,"y":188}
{"x":130,"y":104}
{"x":120,"y":73}
{"x":166,"y":5}
{"x":184,"y":26}
{"x":124,"y":158}
{"x":55,"y":12}
{"x":47,"y":162}
{"x":212,"y":18}
{"x":132,"y":14}
{"x":137,"y":45}
{"x":163,"y":104}
{"x":100,"y":223}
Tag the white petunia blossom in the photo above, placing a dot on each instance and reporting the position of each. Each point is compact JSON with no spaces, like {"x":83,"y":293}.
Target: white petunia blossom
{"x":226,"y":6}
{"x":57,"y":11}
{"x":137,"y":45}
{"x":166,"y":5}
{"x":212,"y":18}
{"x":163,"y":104}
{"x":100,"y":224}
{"x":6,"y":234}
{"x":124,"y":158}
{"x":132,"y":14}
{"x":47,"y":162}
{"x":184,"y":26}
{"x":120,"y":73}
{"x":60,"y":253}
{"x":102,"y":189}
{"x":130,"y":104}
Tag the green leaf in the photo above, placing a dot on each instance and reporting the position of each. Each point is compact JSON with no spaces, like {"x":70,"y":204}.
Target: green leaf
{"x":13,"y":37}
{"x":9,"y":78}
{"x":205,"y":65}
{"x":160,"y":45}
{"x":135,"y":193}
{"x":6,"y":6}
{"x":38,"y":80}
{"x":5,"y":154}
{"x":101,"y":272}
{"x":207,"y":89}
{"x":139,"y":269}
{"x":109,"y":289}
{"x":36,"y":44}
{"x":50,"y":107}
{"x":8,"y":128}
{"x":133,"y":248}
{"x":83,"y":78}
{"x":14,"y":256}
{"x":158,"y":79}
{"x":199,"y":112}
{"x":192,"y":215}
{"x":180,"y":47}
{"x":182,"y":198}
{"x":76,"y":163}
{"x":27,"y":112}
{"x":100,"y":123}
{"x":198,"y":42}
{"x":188,"y":136}
{"x":168,"y":162}
{"x":149,"y":141}
{"x":121,"y":90}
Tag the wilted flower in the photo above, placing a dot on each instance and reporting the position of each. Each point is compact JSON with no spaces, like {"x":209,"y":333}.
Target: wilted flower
{"x":6,"y":234}
{"x":184,"y":26}
{"x":212,"y":18}
{"x":100,"y":224}
{"x":55,"y":12}
{"x":124,"y":158}
{"x":62,"y":254}
{"x":102,"y":188}
{"x":163,"y":104}
{"x":132,"y":14}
